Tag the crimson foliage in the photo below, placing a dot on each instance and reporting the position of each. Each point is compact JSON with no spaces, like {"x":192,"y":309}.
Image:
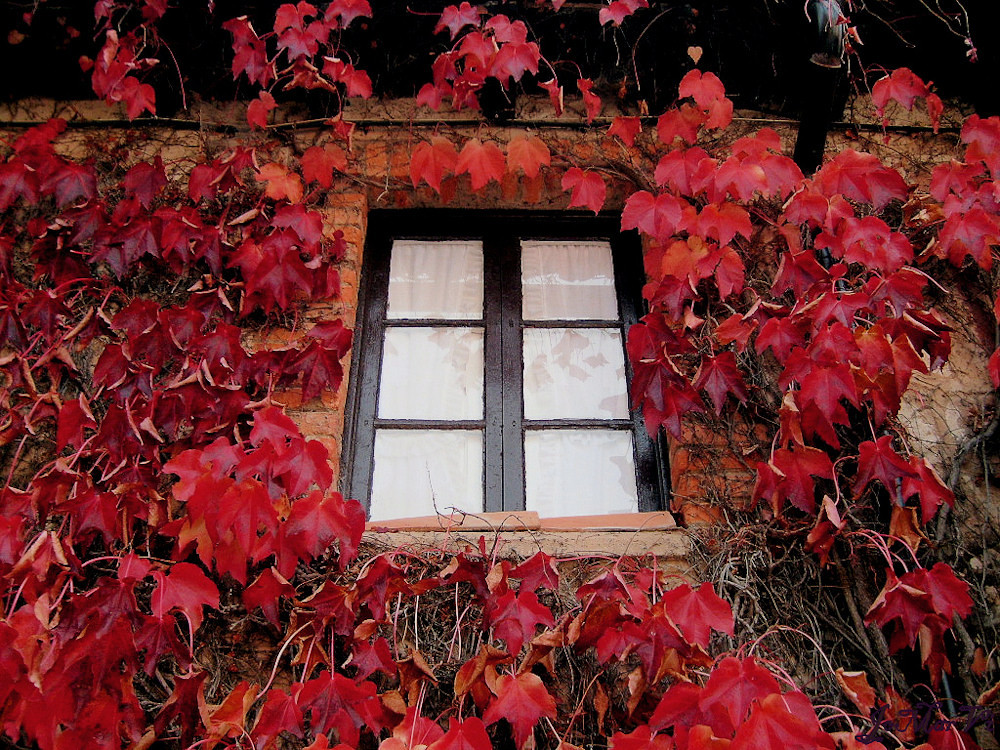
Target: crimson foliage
{"x":176,"y":493}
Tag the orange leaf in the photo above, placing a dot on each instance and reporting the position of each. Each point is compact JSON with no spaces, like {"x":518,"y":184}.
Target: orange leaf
{"x":529,"y":153}
{"x":281,"y":184}
{"x":904,"y":525}
{"x":980,"y":662}
{"x":858,"y":691}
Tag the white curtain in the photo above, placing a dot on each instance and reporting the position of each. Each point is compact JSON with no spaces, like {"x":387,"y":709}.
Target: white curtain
{"x":567,"y":281}
{"x":432,"y":373}
{"x":422,"y":472}
{"x":579,"y":472}
{"x":574,"y":373}
{"x":436,"y":280}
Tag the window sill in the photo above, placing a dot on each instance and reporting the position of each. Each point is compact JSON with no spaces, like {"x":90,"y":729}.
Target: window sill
{"x":526,"y":520}
{"x":522,"y":534}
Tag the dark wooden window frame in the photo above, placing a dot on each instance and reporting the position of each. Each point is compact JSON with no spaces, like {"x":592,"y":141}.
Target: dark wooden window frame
{"x":503,"y":423}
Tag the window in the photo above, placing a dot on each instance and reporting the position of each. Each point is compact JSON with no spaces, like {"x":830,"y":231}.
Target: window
{"x":489,"y":372}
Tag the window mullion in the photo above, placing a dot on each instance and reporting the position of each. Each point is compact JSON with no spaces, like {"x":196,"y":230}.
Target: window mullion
{"x":512,"y":372}
{"x":493,"y":472}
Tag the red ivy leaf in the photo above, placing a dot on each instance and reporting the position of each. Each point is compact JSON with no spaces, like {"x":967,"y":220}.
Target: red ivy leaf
{"x":229,"y":717}
{"x":70,"y":182}
{"x":555,"y":95}
{"x":736,"y":330}
{"x":347,"y":10}
{"x":930,"y":488}
{"x":272,"y":424}
{"x":369,"y":658}
{"x":698,"y":611}
{"x":319,"y":163}
{"x":514,"y":60}
{"x":521,"y":700}
{"x":138,"y":97}
{"x":861,"y":177}
{"x":483,"y":161}
{"x":732,"y":688}
{"x":469,"y":734}
{"x":710,"y":95}
{"x":982,"y":134}
{"x":903,"y":601}
{"x":797,"y":467}
{"x":626,"y":128}
{"x":658,"y":216}
{"x":772,"y":724}
{"x":905,"y":87}
{"x":259,"y":108}
{"x":431,"y":160}
{"x":719,"y":376}
{"x":514,"y":618}
{"x":249,"y":52}
{"x":901,"y":85}
{"x":722,"y":222}
{"x":74,"y":417}
{"x":588,"y":188}
{"x":878,"y":460}
{"x":682,"y":122}
{"x":537,"y":571}
{"x":949,"y":594}
{"x":320,"y":368}
{"x":337,"y":702}
{"x":265,"y":592}
{"x":356,"y":82}
{"x":295,"y":34}
{"x":641,"y":739}
{"x":969,"y":233}
{"x":825,"y":386}
{"x":591,"y":101}
{"x":317,"y":520}
{"x":184,"y":587}
{"x":280,"y":713}
{"x":457,"y":18}
{"x":145,"y":180}
{"x":619,"y":10}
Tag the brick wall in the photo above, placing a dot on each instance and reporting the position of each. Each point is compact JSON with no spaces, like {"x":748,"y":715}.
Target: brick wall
{"x":710,"y":468}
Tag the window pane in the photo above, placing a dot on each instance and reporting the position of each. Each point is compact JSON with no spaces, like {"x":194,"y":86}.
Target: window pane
{"x":421,"y":472}
{"x":436,"y":280}
{"x":579,"y":472}
{"x":432,"y":373}
{"x":574,"y":373}
{"x":567,"y":281}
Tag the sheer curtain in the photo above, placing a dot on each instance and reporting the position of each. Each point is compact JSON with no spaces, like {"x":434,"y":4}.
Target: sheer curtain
{"x":574,"y":373}
{"x":431,"y":372}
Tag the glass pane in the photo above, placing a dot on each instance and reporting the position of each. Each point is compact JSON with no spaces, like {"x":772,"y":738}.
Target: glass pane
{"x":567,"y":281}
{"x":579,"y":472}
{"x":574,"y":373}
{"x":421,"y":472}
{"x":436,"y":280}
{"x":432,"y":373}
